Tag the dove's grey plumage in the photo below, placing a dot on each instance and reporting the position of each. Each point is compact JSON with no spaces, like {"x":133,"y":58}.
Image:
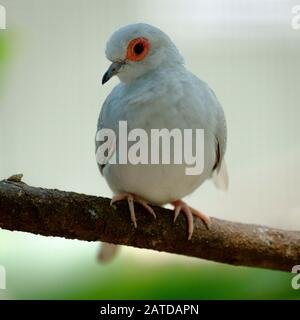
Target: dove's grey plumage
{"x":154,"y":93}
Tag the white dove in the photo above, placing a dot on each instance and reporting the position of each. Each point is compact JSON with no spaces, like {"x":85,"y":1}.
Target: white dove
{"x":157,"y":91}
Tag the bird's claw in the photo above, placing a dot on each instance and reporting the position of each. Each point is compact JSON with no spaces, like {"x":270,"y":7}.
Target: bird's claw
{"x":131,"y":198}
{"x":179,"y":206}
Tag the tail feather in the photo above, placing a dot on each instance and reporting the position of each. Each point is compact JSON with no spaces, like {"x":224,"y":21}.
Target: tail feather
{"x":107,"y":252}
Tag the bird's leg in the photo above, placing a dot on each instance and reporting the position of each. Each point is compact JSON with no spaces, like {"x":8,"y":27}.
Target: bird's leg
{"x":179,"y":206}
{"x":131,"y":198}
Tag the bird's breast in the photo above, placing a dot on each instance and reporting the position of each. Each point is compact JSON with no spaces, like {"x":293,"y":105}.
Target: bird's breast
{"x":159,"y":104}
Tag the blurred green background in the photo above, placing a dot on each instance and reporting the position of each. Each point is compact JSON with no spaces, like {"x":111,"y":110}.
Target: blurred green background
{"x":51,"y":63}
{"x":3,"y":57}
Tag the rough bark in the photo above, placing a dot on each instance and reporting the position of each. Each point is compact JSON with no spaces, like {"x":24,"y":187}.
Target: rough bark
{"x":84,"y":217}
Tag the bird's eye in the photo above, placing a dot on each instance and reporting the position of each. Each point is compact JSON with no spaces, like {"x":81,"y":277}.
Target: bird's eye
{"x":137,"y":49}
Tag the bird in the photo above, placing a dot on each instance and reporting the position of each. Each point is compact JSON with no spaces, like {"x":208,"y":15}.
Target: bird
{"x":157,"y":91}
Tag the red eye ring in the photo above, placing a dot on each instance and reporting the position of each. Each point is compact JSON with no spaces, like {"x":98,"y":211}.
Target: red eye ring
{"x":137,"y":49}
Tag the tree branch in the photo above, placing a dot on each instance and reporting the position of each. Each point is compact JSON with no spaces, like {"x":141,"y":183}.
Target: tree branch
{"x":77,"y":216}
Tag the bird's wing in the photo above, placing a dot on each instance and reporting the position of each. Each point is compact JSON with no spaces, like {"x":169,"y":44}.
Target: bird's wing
{"x":220,"y":173}
{"x":213,"y":109}
{"x":220,"y":176}
{"x":111,"y":147}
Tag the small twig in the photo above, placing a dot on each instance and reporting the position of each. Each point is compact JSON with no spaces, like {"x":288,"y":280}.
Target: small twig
{"x":16,"y":177}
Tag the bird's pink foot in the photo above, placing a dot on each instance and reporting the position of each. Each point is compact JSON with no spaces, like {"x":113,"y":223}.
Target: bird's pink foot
{"x":179,"y":206}
{"x":131,"y":198}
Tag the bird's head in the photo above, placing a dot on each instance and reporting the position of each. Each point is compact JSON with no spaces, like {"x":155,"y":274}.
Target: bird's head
{"x":136,"y":49}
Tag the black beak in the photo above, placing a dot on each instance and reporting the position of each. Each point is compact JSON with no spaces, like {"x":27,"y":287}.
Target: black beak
{"x":112,"y":70}
{"x":105,"y":77}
